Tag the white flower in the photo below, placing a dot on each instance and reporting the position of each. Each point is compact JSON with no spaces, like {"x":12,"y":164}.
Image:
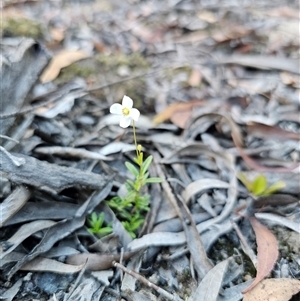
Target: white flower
{"x":126,"y":111}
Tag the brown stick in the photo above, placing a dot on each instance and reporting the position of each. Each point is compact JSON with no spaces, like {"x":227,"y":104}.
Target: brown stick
{"x":143,"y":280}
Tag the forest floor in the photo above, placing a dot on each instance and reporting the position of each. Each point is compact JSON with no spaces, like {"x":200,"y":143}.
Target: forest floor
{"x":217,"y":84}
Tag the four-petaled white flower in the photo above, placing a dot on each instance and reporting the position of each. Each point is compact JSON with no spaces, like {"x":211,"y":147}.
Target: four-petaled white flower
{"x":126,"y":111}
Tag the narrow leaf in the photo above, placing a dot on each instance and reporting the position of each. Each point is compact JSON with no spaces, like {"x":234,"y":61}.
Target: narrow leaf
{"x":154,"y":180}
{"x":209,"y":287}
{"x":13,"y":203}
{"x":132,"y":169}
{"x":267,"y":251}
{"x":274,"y":188}
{"x":44,"y":264}
{"x":245,"y":181}
{"x":146,"y":164}
{"x":94,"y":217}
{"x":259,"y":185}
{"x":131,"y":183}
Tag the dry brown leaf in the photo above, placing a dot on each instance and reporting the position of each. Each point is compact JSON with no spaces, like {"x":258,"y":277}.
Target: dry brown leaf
{"x":274,"y":290}
{"x":49,"y":265}
{"x":196,"y":36}
{"x":61,"y":60}
{"x":57,"y":34}
{"x":231,"y":33}
{"x":207,"y":16}
{"x":266,"y":131}
{"x":290,"y":79}
{"x":181,"y":118}
{"x":256,"y":165}
{"x":97,"y":262}
{"x":267,"y":251}
{"x":13,"y":203}
{"x":178,"y":107}
{"x":195,"y":78}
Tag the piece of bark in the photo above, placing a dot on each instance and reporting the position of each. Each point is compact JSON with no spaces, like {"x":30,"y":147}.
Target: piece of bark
{"x":45,"y":176}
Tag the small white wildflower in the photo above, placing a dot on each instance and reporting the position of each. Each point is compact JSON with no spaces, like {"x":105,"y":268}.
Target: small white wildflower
{"x":126,"y":111}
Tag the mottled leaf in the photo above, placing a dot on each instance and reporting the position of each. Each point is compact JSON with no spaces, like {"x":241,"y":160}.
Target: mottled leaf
{"x":267,"y":251}
{"x":274,"y":290}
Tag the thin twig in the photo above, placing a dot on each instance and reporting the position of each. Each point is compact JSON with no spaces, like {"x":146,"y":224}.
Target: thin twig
{"x":143,"y":280}
{"x":9,"y":138}
{"x":245,"y":246}
{"x":15,"y":160}
{"x":70,"y":151}
{"x":46,"y":99}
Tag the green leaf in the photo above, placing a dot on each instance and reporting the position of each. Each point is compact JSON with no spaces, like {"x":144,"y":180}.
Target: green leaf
{"x":146,"y":165}
{"x":94,"y":217}
{"x":245,"y":181}
{"x":131,"y":185}
{"x":154,"y":180}
{"x":259,"y":185}
{"x":105,"y":231}
{"x":274,"y":188}
{"x":144,"y":178}
{"x":130,"y":196}
{"x":132,"y":169}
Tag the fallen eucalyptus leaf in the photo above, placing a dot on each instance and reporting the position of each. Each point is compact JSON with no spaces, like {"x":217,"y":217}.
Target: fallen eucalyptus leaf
{"x":267,"y":251}
{"x":281,"y":289}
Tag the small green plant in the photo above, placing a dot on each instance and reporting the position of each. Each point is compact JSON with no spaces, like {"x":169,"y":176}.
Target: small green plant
{"x":96,"y":223}
{"x":259,"y":186}
{"x":132,"y":208}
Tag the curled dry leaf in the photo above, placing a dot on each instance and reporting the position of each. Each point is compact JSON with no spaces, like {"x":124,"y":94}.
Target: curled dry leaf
{"x":13,"y":203}
{"x":267,"y":251}
{"x":97,"y":262}
{"x":280,"y":220}
{"x":61,"y":60}
{"x":268,"y":132}
{"x":23,"y":232}
{"x":201,"y":185}
{"x":179,"y":107}
{"x":274,"y":290}
{"x":256,"y":165}
{"x":49,"y":265}
{"x":209,"y":287}
{"x":195,"y":78}
{"x":263,"y":62}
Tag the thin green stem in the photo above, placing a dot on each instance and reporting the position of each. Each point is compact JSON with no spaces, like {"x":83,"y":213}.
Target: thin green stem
{"x":134,"y":137}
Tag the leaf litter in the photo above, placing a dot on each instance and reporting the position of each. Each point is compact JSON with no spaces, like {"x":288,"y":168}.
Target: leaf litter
{"x":217,"y":87}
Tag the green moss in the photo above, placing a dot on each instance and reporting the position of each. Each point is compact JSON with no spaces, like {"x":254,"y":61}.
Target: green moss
{"x":134,"y":60}
{"x":74,"y":70}
{"x":11,"y":27}
{"x":188,"y":284}
{"x":170,"y":73}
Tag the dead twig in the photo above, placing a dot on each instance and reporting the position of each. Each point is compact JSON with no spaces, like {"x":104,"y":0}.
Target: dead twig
{"x":143,"y":280}
{"x":71,"y":152}
{"x":195,"y":245}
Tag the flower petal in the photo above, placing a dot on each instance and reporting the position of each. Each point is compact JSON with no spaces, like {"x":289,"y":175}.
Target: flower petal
{"x":127,"y":102}
{"x":135,"y":114}
{"x":125,"y":122}
{"x":116,"y":108}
